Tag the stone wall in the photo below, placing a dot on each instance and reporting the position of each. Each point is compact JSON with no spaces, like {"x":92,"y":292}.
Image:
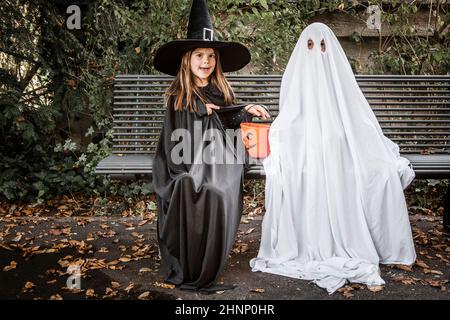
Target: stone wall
{"x":344,"y":25}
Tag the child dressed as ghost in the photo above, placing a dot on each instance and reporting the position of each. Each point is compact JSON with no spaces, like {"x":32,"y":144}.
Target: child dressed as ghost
{"x":335,"y":207}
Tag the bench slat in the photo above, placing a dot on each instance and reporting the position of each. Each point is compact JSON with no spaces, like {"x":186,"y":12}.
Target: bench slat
{"x":412,"y":111}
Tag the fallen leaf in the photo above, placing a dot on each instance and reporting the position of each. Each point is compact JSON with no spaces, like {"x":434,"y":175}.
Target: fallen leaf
{"x":108,"y":234}
{"x":241,"y":247}
{"x":127,"y":224}
{"x":357,"y":286}
{"x":90,"y":237}
{"x":29,"y":285}
{"x":437,"y":272}
{"x":51,"y":250}
{"x":90,"y":293}
{"x":18,"y":237}
{"x":142,"y":223}
{"x":405,"y":279}
{"x":244,"y":221}
{"x":442,"y":258}
{"x":348,"y":294}
{"x":12,"y":265}
{"x":130,"y":287}
{"x":116,"y":267}
{"x":55,"y":232}
{"x":125,"y":259}
{"x":6,"y":247}
{"x":435,"y":283}
{"x":144,"y":296}
{"x":145,"y":270}
{"x":164,"y":285}
{"x":403,"y":267}
{"x":346,"y":291}
{"x":137,"y":235}
{"x":249,"y":231}
{"x":258,"y":290}
{"x":115,"y":285}
{"x":421,"y":264}
{"x":56,"y":297}
{"x":375,"y":288}
{"x":108,"y":291}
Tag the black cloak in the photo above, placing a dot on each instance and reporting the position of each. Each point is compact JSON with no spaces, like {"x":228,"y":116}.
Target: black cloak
{"x":199,"y":202}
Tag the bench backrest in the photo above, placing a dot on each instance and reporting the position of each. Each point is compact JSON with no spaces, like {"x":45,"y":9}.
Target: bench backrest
{"x":413,"y":111}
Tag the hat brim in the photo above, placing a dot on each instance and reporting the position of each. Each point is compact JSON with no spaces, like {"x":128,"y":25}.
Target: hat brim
{"x":233,"y":55}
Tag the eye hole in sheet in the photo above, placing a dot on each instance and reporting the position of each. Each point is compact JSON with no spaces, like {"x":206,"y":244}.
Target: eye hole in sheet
{"x":310,"y":44}
{"x":323,"y":46}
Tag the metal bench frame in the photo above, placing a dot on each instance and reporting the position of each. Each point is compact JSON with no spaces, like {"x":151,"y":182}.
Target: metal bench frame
{"x":413,"y":111}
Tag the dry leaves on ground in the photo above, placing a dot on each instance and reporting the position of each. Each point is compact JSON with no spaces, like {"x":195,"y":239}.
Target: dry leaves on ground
{"x":164,"y":285}
{"x":12,"y":265}
{"x":375,"y":288}
{"x":144,"y":296}
{"x":240,"y":248}
{"x":258,"y":290}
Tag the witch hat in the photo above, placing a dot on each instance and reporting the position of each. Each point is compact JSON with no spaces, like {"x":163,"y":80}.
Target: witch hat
{"x":200,"y":34}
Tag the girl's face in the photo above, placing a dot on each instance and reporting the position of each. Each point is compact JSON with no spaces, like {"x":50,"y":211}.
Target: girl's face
{"x":203,"y":62}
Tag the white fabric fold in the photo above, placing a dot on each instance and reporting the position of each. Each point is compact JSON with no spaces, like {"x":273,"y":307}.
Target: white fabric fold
{"x":334,"y":198}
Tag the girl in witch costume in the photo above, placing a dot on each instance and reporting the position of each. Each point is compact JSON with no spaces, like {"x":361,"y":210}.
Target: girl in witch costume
{"x":199,"y":202}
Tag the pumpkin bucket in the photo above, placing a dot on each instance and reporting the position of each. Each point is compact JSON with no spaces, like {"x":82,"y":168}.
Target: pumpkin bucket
{"x":255,"y":137}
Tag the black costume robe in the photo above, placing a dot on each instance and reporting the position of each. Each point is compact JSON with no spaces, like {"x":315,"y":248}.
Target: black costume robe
{"x":199,"y":204}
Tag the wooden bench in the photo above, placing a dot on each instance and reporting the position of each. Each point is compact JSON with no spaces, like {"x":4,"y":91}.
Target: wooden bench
{"x":413,"y":111}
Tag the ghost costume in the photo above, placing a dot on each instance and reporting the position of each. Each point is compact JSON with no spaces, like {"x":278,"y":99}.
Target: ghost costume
{"x":335,"y":207}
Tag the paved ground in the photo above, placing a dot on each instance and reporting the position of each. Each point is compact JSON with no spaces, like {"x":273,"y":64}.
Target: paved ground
{"x":118,"y":259}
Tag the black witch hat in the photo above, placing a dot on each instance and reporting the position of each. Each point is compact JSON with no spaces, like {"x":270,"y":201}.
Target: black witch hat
{"x":233,"y":55}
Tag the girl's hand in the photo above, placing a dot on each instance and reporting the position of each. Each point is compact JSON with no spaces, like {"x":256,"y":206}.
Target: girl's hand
{"x":258,"y":111}
{"x":211,"y":107}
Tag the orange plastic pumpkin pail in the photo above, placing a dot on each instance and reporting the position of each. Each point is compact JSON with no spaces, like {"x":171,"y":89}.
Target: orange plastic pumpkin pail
{"x":255,"y":137}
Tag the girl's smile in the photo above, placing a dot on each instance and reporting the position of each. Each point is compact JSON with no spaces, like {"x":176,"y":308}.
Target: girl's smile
{"x":205,"y":69}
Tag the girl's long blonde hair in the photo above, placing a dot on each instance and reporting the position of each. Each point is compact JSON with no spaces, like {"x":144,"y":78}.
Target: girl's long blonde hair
{"x":186,"y":90}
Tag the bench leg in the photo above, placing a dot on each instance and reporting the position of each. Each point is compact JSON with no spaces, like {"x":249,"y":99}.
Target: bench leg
{"x":447,"y":210}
